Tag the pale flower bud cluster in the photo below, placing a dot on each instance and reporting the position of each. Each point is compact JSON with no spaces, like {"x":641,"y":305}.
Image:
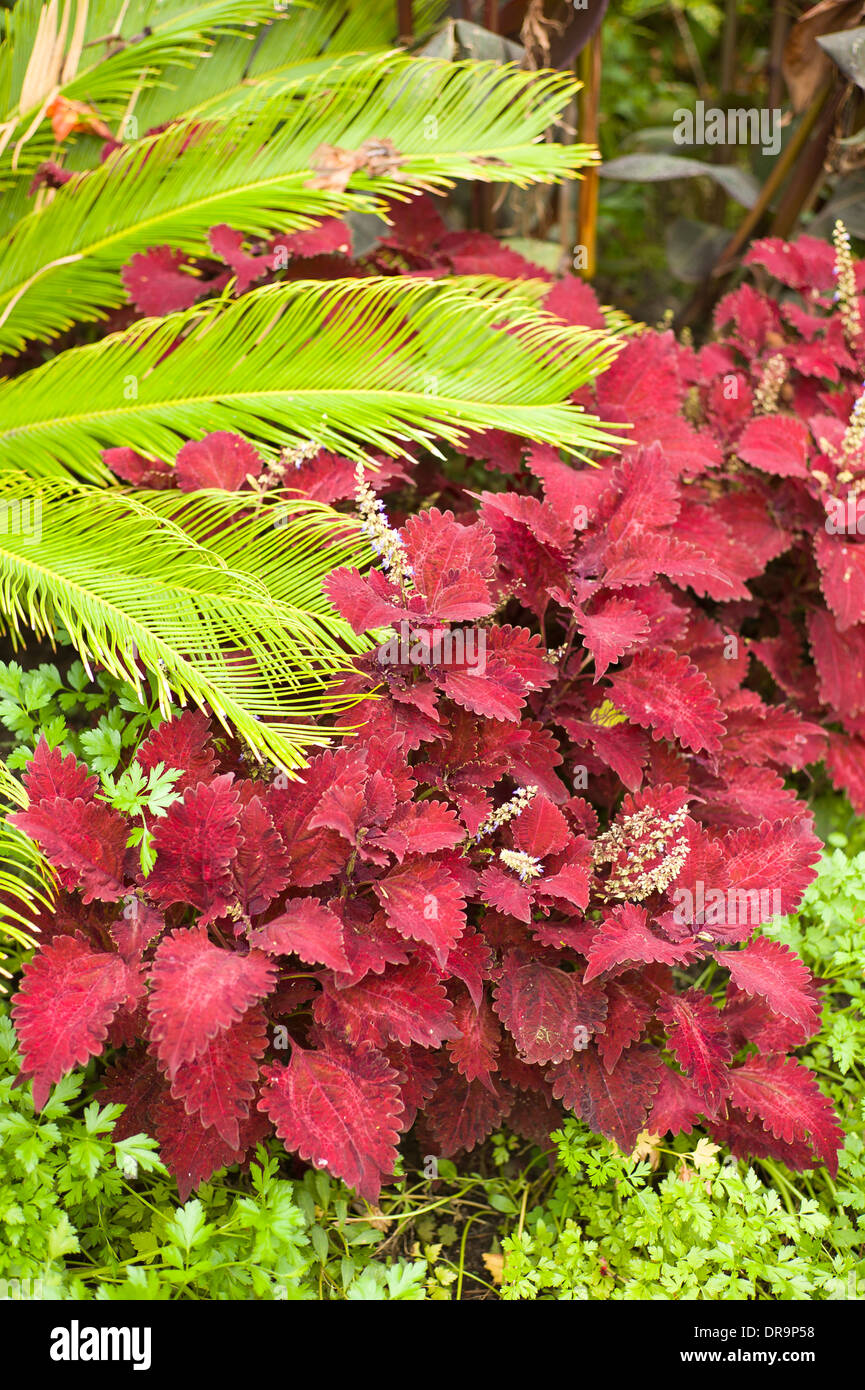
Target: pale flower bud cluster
{"x":852,"y":452}
{"x":769,"y":386}
{"x":301,"y":453}
{"x":525,"y":866}
{"x":647,"y":852}
{"x":274,"y":474}
{"x":383,"y":539}
{"x":845,"y":276}
{"x":517,"y":804}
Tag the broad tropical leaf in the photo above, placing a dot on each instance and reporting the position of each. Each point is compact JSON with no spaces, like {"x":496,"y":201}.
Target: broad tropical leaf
{"x":329,"y":35}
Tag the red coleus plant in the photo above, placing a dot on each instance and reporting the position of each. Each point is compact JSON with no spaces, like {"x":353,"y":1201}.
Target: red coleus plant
{"x":397,"y":934}
{"x":782,"y":391}
{"x":534,"y":877}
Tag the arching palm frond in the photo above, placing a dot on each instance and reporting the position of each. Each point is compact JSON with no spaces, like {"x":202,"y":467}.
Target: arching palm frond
{"x":134,"y":590}
{"x":27,"y":881}
{"x":331,"y":35}
{"x":61,"y":264}
{"x":249,"y":534}
{"x":355,"y":365}
{"x":72,"y":50}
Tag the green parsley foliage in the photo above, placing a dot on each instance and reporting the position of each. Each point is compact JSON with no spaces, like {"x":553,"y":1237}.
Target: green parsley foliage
{"x":84,"y":1217}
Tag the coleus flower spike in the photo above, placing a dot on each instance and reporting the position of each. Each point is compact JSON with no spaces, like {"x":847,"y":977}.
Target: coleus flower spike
{"x":385,"y":542}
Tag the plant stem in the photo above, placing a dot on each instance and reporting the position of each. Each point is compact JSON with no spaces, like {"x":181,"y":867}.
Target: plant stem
{"x":405,"y":20}
{"x":771,"y":186}
{"x":463,"y":1254}
{"x":589,"y":67}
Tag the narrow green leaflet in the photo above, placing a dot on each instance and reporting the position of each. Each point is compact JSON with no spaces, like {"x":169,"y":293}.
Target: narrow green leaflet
{"x":355,"y":365}
{"x":263,"y":171}
{"x":26,"y":879}
{"x":251,"y":538}
{"x":136,"y":593}
{"x":97,"y":52}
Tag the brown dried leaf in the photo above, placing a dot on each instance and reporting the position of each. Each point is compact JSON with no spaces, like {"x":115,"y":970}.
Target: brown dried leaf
{"x":67,"y":116}
{"x":495,"y":1264}
{"x":381,"y":157}
{"x":333,"y":166}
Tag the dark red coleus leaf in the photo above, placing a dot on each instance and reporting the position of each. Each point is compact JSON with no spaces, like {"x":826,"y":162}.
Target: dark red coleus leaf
{"x":776,"y":974}
{"x":194,"y":1154}
{"x":308,"y":929}
{"x":626,"y":938}
{"x":612,"y":630}
{"x":676,"y":1106}
{"x":161,"y":280}
{"x":776,"y":444}
{"x":452,"y":565}
{"x":49,"y":774}
{"x":338,"y":1108}
{"x":423,"y":902}
{"x":196,"y":842}
{"x":183,"y":743}
{"x":261,"y":868}
{"x":198,"y":990}
{"x":461,"y":1113}
{"x":227,"y":244}
{"x":615,"y":1103}
{"x":220,"y":460}
{"x":315,"y":854}
{"x":630,"y":1005}
{"x":406,"y":1004}
{"x":698,"y":1039}
{"x":670,"y":696}
{"x":548,"y":1012}
{"x":85,"y":838}
{"x":134,"y":468}
{"x":541,"y":829}
{"x":218,"y":1084}
{"x":842,"y":570}
{"x":68,"y":997}
{"x":328,"y":237}
{"x":138,"y":926}
{"x":784,"y":1096}
{"x":476,"y":1049}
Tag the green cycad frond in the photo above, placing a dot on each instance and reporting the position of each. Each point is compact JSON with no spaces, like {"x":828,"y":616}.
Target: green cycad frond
{"x":355,"y":365}
{"x":330,"y":34}
{"x":66,"y":48}
{"x":26,"y":879}
{"x":249,"y":535}
{"x":220,"y":97}
{"x":195,"y":63}
{"x":134,"y":589}
{"x":61,"y":264}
